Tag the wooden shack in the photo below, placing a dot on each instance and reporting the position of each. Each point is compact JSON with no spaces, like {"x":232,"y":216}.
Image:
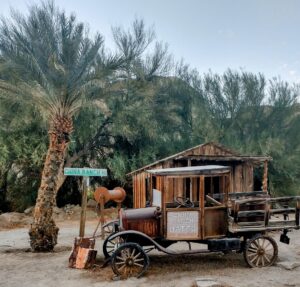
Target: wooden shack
{"x":241,"y":178}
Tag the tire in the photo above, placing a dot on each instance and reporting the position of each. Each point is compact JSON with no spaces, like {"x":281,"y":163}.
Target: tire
{"x":129,"y":260}
{"x":261,"y":251}
{"x":109,"y":228}
{"x":111,"y":245}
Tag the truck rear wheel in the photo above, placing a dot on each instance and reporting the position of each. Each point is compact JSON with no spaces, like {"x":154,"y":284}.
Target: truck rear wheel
{"x":261,"y":251}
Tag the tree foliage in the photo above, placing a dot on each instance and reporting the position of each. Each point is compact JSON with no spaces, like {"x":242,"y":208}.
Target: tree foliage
{"x":144,"y":105}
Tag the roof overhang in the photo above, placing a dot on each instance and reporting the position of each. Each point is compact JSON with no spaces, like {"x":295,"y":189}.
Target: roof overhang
{"x":190,"y":170}
{"x":254,"y":159}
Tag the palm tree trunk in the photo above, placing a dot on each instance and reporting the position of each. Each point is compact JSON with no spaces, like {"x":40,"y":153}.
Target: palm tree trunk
{"x":43,"y":232}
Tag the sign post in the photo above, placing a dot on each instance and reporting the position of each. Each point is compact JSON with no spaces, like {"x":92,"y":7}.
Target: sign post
{"x":86,"y":173}
{"x":83,"y":206}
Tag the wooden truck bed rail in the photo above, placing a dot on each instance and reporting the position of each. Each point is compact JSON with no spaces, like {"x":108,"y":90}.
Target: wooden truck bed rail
{"x":259,"y":214}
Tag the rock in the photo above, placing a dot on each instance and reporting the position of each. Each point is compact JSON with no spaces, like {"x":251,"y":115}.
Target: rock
{"x":4,"y":223}
{"x":288,"y":265}
{"x":59,"y":216}
{"x":57,"y":210}
{"x":68,"y":206}
{"x":207,"y":282}
{"x":69,"y":209}
{"x":72,"y":211}
{"x":91,"y":203}
{"x":27,"y":220}
{"x":29,"y":210}
{"x":116,"y":278}
{"x":11,"y":219}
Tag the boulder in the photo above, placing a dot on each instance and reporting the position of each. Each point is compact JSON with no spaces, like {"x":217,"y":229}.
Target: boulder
{"x":4,"y":223}
{"x":29,"y":210}
{"x":57,"y":210}
{"x":11,"y":219}
{"x":92,"y":203}
{"x":72,"y":211}
{"x":26,"y":220}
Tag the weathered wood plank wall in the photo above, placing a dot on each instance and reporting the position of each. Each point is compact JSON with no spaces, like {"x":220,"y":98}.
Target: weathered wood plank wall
{"x":241,"y":175}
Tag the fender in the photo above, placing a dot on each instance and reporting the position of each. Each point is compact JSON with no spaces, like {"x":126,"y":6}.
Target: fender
{"x":155,"y":244}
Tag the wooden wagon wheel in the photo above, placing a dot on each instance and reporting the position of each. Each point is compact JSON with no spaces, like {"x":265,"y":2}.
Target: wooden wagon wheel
{"x":111,"y":244}
{"x":129,"y":260}
{"x":109,"y":228}
{"x":261,"y":251}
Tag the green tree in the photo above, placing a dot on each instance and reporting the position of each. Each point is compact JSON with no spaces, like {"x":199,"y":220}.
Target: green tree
{"x":23,"y":144}
{"x":243,"y":111}
{"x":52,"y":64}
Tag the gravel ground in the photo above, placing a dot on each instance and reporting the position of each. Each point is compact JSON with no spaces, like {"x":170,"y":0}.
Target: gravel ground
{"x":20,"y":267}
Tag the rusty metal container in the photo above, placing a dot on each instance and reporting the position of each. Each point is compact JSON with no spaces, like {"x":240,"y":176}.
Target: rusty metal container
{"x":146,"y":220}
{"x":118,"y":194}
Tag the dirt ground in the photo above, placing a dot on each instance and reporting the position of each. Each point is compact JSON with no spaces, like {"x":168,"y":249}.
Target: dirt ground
{"x":20,"y":267}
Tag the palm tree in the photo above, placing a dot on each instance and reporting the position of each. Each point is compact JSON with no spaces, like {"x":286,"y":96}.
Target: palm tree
{"x":51,"y":63}
{"x":47,"y":60}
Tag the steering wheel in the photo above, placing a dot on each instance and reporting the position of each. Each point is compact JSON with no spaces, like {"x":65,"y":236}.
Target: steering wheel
{"x":184,"y":202}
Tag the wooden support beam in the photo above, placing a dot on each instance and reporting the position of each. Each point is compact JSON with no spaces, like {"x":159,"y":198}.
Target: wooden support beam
{"x":227,"y":188}
{"x":195,"y":196}
{"x":151,"y":188}
{"x":191,"y":194}
{"x":201,"y":200}
{"x":163,"y":225}
{"x":265,"y":177}
{"x":83,"y":206}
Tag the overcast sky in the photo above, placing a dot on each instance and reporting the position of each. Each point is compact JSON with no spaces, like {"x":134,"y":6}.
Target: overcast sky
{"x":253,"y":35}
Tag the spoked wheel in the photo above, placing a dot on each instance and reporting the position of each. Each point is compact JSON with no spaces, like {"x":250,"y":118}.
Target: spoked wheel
{"x":110,"y":245}
{"x":129,"y":260}
{"x":109,"y":228}
{"x":261,"y":251}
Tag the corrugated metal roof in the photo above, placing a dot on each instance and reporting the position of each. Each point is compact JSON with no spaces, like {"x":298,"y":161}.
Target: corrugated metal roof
{"x":188,"y":170}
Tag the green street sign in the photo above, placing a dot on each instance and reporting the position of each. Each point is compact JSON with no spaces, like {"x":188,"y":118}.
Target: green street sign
{"x":85,"y":171}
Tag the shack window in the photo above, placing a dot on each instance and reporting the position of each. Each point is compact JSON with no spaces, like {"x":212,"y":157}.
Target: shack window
{"x":156,"y":201}
{"x":212,"y":185}
{"x":148,"y":189}
{"x":187,"y":190}
{"x":154,"y":182}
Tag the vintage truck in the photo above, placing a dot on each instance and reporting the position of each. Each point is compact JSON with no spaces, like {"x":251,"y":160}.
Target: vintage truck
{"x":224,"y":221}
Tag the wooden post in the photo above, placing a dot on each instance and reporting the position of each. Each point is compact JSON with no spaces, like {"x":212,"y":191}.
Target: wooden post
{"x":164,"y":211}
{"x":202,"y":204}
{"x":133,"y":191}
{"x":265,"y":177}
{"x":191,"y":196}
{"x":151,"y":189}
{"x":227,"y":179}
{"x":194,"y":189}
{"x":83,"y":206}
{"x":231,"y":187}
{"x":102,"y":215}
